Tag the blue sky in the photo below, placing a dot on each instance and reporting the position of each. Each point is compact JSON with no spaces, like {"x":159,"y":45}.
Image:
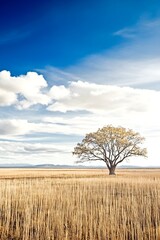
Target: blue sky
{"x":70,"y":67}
{"x":35,"y":34}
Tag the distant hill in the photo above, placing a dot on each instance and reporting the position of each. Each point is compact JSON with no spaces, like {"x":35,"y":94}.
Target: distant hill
{"x":53,"y":166}
{"x":48,"y":166}
{"x":9,"y":165}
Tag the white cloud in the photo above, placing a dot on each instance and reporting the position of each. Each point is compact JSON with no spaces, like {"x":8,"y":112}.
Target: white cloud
{"x":59,"y":92}
{"x":7,"y":98}
{"x":35,"y":153}
{"x":17,"y":129}
{"x":98,"y":98}
{"x":149,"y":27}
{"x":126,"y":33}
{"x":14,"y":127}
{"x":57,"y":75}
{"x":29,"y":87}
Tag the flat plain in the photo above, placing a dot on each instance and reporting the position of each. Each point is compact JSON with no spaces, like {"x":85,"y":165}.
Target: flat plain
{"x":88,"y":204}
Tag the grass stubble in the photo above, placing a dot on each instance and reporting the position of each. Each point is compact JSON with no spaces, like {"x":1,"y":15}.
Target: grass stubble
{"x":79,"y":205}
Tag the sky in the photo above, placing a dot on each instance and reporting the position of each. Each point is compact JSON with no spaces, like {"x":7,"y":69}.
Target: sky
{"x":70,"y":67}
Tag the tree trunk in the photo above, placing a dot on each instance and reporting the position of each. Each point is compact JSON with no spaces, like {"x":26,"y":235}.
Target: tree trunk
{"x":112,"y":170}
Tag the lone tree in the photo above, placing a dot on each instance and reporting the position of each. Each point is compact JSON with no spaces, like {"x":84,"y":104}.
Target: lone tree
{"x":110,"y":144}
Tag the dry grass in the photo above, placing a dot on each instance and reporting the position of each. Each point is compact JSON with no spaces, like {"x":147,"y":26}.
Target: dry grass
{"x":79,"y":205}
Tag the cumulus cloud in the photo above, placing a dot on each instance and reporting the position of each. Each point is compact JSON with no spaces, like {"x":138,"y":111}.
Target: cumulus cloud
{"x":59,"y":92}
{"x":7,"y":98}
{"x":98,"y":98}
{"x":28,"y":87}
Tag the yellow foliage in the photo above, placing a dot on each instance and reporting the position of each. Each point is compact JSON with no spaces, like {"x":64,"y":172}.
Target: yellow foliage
{"x":111,"y":145}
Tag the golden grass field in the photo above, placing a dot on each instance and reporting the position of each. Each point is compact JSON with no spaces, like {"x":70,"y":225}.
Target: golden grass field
{"x":79,"y":204}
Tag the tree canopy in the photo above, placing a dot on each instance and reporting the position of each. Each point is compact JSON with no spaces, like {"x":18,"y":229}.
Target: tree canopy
{"x":110,"y":144}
